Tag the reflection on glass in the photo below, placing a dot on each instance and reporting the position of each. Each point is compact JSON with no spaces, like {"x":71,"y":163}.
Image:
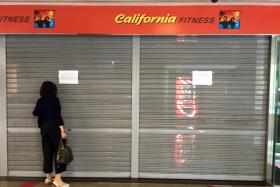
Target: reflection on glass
{"x":183,"y":147}
{"x":277,"y":161}
{"x":185,"y":98}
{"x":186,"y":39}
{"x":186,"y":107}
{"x":277,"y":126}
{"x":277,"y":151}
{"x":12,"y":78}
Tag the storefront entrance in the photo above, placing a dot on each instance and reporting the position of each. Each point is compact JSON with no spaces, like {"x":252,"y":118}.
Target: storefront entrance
{"x":214,"y":129}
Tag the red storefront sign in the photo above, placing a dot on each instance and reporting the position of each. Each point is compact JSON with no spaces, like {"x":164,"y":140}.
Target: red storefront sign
{"x":160,"y":20}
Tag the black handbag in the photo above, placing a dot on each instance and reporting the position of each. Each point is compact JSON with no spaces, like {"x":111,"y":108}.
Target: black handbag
{"x":64,"y":153}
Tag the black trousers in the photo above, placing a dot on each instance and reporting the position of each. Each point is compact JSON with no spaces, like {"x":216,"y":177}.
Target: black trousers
{"x":51,"y":136}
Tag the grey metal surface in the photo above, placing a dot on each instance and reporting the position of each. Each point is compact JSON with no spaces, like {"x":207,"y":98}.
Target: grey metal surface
{"x":75,"y":174}
{"x":3,"y":108}
{"x":135,"y":108}
{"x":227,"y":135}
{"x":100,"y":103}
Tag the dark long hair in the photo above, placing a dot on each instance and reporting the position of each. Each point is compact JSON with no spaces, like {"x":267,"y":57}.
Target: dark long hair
{"x":48,"y":88}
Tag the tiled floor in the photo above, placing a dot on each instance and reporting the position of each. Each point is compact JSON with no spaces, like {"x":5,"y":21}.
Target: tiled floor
{"x":90,"y":184}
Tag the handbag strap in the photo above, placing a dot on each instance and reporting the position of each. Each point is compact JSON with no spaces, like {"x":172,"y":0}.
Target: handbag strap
{"x":61,"y":143}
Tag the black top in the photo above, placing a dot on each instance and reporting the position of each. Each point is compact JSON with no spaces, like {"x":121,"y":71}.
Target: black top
{"x":48,"y":110}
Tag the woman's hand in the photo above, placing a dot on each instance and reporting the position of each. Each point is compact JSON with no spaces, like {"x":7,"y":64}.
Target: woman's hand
{"x":63,"y":135}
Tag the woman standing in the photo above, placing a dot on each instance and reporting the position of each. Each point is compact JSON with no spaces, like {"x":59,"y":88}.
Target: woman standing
{"x":51,"y":124}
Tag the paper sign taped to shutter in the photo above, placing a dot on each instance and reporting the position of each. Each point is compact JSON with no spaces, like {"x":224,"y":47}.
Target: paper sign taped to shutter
{"x":202,"y":77}
{"x":68,"y":76}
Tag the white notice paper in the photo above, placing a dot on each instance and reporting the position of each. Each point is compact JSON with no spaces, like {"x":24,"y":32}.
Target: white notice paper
{"x":68,"y":76}
{"x":202,"y":78}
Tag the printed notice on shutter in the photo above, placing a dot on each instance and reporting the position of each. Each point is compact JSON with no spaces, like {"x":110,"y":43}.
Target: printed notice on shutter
{"x":202,"y":78}
{"x":68,"y":76}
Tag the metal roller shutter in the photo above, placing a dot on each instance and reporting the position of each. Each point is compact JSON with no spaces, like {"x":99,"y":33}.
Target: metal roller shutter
{"x":215,"y":132}
{"x":98,"y":109}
